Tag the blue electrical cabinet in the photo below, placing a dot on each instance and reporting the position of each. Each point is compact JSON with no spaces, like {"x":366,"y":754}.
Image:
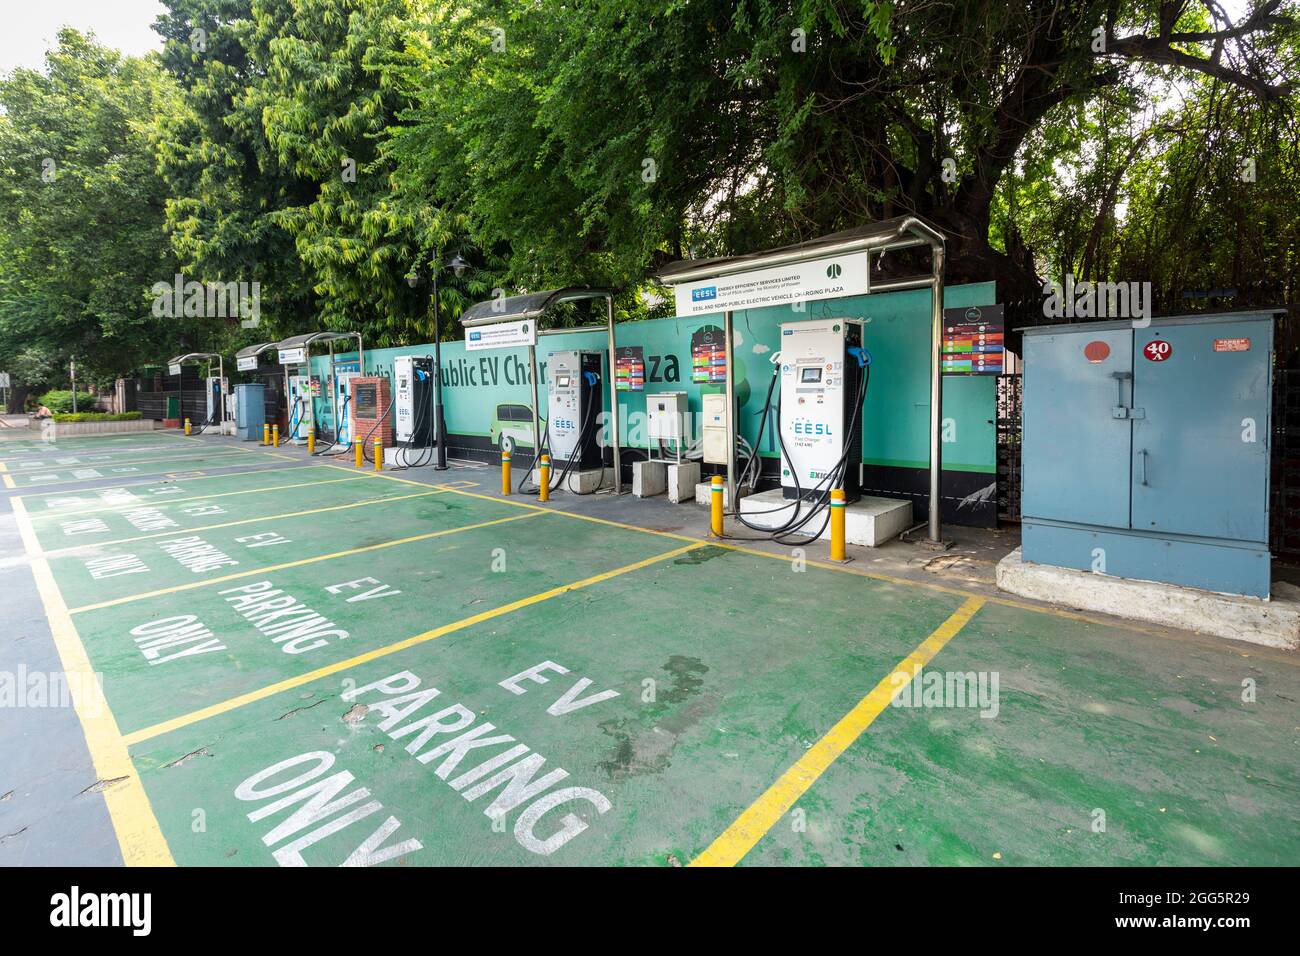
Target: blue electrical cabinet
{"x":250,"y":411}
{"x":1146,"y":449}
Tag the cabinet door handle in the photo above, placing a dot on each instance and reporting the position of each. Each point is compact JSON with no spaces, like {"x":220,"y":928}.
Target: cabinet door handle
{"x":1143,"y":462}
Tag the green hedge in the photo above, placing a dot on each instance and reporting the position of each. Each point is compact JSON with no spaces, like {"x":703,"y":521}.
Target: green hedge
{"x":60,"y":400}
{"x":97,"y":416}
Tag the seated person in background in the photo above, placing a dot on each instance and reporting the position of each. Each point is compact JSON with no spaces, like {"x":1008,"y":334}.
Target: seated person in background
{"x":43,"y":412}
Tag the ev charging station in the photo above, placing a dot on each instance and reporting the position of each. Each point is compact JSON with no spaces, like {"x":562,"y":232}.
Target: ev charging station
{"x":215,"y":388}
{"x":414,"y":421}
{"x":572,"y":431}
{"x":303,"y":391}
{"x":830,"y":267}
{"x":820,"y":426}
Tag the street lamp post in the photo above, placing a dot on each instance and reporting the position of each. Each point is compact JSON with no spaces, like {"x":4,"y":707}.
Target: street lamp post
{"x":458,"y":266}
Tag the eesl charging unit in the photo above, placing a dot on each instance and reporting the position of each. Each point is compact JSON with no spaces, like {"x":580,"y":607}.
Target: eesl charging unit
{"x":301,"y":410}
{"x":216,"y":391}
{"x":573,"y":406}
{"x":413,"y":403}
{"x":820,"y":383}
{"x":1146,"y":450}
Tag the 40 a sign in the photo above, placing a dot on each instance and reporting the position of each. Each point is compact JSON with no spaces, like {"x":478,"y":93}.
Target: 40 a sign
{"x":1158,"y":350}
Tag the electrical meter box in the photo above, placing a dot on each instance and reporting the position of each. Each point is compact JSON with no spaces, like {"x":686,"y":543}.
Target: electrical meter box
{"x":300,"y":408}
{"x":820,"y":387}
{"x":666,"y":417}
{"x":1145,"y":451}
{"x":413,"y":408}
{"x":573,"y":403}
{"x":714,"y":428}
{"x":250,"y":411}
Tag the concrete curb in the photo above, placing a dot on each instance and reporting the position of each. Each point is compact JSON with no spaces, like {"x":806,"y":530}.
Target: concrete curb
{"x":1273,"y":623}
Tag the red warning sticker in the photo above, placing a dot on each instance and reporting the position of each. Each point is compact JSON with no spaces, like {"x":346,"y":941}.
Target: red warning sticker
{"x":1096,"y":351}
{"x":1157,"y":350}
{"x":1232,"y":345}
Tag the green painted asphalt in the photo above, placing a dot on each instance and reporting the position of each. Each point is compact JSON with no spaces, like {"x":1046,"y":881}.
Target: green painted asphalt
{"x":186,"y":559}
{"x":1102,"y":751}
{"x":690,"y":683}
{"x":380,"y":597}
{"x":713,"y":703}
{"x":165,"y":516}
{"x":98,"y":499}
{"x":159,"y":464}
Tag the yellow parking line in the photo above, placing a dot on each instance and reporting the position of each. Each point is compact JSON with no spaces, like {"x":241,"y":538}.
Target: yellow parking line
{"x":139,"y":838}
{"x":9,"y":482}
{"x":750,"y":827}
{"x":294,"y":564}
{"x":60,"y":513}
{"x":271,"y":689}
{"x":242,"y":521}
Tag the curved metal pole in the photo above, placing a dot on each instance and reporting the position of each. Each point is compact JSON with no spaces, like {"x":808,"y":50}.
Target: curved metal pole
{"x":613,"y":398}
{"x":936,"y":390}
{"x":221,"y":392}
{"x":537,"y":427}
{"x":731,"y":501}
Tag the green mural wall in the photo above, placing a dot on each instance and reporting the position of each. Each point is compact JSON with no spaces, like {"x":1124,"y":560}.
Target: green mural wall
{"x":896,"y":417}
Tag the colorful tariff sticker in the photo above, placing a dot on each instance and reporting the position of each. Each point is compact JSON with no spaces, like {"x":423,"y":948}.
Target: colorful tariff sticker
{"x":629,"y":369}
{"x":708,"y":356}
{"x":1232,"y":345}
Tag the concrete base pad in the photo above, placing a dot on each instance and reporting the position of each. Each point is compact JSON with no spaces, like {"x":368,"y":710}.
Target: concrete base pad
{"x":1273,"y":623}
{"x":577,"y":482}
{"x":868,"y":522}
{"x":683,"y":480}
{"x":649,"y":478}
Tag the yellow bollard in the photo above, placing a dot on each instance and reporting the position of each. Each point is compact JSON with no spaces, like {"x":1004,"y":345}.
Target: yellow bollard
{"x":716,"y":491}
{"x":275,"y":435}
{"x":505,"y":473}
{"x":187,"y":426}
{"x":266,"y":433}
{"x":360,"y":452}
{"x":311,"y":440}
{"x":379,"y":454}
{"x":837,"y":524}
{"x":544,"y":484}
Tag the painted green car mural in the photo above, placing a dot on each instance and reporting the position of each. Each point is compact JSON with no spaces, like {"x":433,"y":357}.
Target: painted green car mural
{"x":512,"y":427}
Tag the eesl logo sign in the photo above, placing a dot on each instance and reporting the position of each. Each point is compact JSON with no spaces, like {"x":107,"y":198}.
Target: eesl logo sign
{"x":705,"y":294}
{"x":806,"y":427}
{"x":475,"y":336}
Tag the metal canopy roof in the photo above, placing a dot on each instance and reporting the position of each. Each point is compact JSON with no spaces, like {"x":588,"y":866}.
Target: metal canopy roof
{"x":192,"y":356}
{"x":252,"y":351}
{"x":310,"y":338}
{"x":896,"y":233}
{"x":527,"y":306}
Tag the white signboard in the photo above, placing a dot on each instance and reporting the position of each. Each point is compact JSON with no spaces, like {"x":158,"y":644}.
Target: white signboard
{"x":173,"y":369}
{"x":247,"y":363}
{"x":501,"y":335}
{"x":296,"y":356}
{"x":809,"y":281}
{"x":4,"y":380}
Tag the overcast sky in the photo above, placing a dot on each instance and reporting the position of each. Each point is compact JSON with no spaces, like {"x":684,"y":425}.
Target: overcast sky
{"x":30,"y":27}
